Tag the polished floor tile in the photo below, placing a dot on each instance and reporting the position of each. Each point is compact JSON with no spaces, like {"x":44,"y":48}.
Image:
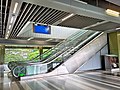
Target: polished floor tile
{"x":79,"y":81}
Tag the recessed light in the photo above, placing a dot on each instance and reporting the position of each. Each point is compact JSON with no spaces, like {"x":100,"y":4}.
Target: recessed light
{"x":80,"y":1}
{"x":12,"y":18}
{"x":6,"y":37}
{"x":112,"y":13}
{"x":65,"y":18}
{"x":49,"y":39}
{"x":9,"y":27}
{"x":15,"y":7}
{"x":117,"y":28}
{"x":30,"y":38}
{"x":8,"y":31}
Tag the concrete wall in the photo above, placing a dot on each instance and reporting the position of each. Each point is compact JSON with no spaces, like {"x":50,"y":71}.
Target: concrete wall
{"x":95,"y":61}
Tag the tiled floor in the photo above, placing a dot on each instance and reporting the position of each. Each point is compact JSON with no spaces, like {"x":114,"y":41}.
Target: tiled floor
{"x":84,"y":81}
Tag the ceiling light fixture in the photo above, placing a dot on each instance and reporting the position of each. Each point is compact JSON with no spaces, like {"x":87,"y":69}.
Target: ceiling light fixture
{"x":9,"y":27}
{"x":81,"y":2}
{"x":15,"y":7}
{"x":65,"y":18}
{"x":117,"y":28}
{"x":49,"y":39}
{"x":8,"y":31}
{"x":6,"y":37}
{"x":11,"y":21}
{"x":30,"y":38}
{"x":112,"y":13}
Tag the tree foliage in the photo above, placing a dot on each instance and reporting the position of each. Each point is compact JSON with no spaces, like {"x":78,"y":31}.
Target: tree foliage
{"x":20,"y":54}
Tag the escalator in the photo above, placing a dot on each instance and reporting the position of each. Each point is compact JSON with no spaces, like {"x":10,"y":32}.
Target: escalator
{"x":69,"y":49}
{"x":51,"y":52}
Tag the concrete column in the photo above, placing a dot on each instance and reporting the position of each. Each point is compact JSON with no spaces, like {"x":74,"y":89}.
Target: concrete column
{"x":114,"y":44}
{"x":2,"y":53}
{"x":118,"y":48}
{"x":40,"y":51}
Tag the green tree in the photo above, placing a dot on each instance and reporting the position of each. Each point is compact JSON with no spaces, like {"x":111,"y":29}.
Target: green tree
{"x":20,"y":54}
{"x":33,"y":54}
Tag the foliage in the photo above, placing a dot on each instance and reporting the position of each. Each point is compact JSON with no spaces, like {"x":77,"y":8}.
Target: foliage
{"x":20,"y":54}
{"x":23,"y":54}
{"x":33,"y":54}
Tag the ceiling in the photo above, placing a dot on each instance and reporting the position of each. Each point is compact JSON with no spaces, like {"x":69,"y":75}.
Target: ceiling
{"x":4,"y":13}
{"x":35,"y":13}
{"x":112,"y":4}
{"x":28,"y":11}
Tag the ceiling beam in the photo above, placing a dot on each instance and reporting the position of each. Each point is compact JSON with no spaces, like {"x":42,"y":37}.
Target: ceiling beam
{"x":96,"y":24}
{"x":77,"y":8}
{"x":25,"y":42}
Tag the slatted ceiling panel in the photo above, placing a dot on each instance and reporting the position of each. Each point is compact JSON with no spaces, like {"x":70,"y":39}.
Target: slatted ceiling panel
{"x":35,"y":13}
{"x":29,"y":16}
{"x":46,"y":16}
{"x":13,"y":34}
{"x":0,"y":21}
{"x":53,"y":16}
{"x":41,"y":13}
{"x":59,"y":17}
{"x":50,"y":16}
{"x":22,"y":24}
{"x":3,"y":16}
{"x":1,"y":7}
{"x":105,"y":26}
{"x":78,"y":21}
{"x":24,"y":18}
{"x":4,"y":13}
{"x":19,"y":17}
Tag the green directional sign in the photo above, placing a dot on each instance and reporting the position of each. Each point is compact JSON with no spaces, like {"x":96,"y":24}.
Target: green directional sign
{"x":21,"y":74}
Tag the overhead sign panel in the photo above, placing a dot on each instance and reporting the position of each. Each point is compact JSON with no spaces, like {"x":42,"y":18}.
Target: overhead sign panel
{"x":43,"y":29}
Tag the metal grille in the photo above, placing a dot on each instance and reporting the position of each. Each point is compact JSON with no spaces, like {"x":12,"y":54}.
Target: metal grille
{"x":78,"y":21}
{"x":4,"y":13}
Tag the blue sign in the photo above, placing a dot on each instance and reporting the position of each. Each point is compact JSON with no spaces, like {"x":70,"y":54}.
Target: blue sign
{"x":44,"y":29}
